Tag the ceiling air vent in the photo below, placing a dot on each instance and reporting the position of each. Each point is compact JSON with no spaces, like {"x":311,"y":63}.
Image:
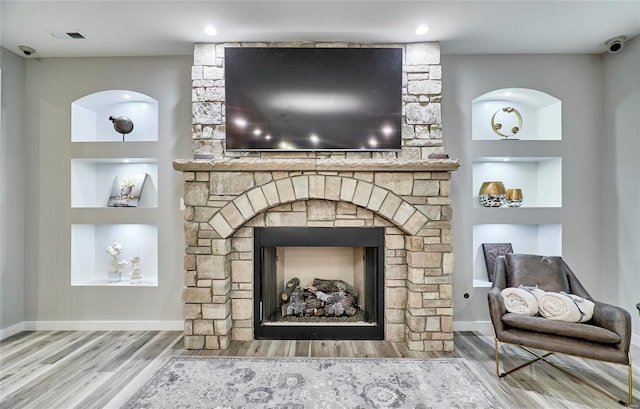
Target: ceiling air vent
{"x":76,"y":36}
{"x":67,"y":35}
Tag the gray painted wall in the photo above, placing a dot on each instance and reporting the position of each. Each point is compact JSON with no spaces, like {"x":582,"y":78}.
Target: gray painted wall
{"x":620,"y":278}
{"x":13,"y":190}
{"x":52,"y":85}
{"x":600,"y":223}
{"x":577,"y":81}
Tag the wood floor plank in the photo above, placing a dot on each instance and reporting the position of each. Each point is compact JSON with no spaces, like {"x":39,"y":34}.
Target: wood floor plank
{"x":18,"y":341}
{"x":21,"y":373}
{"x":150,"y":354}
{"x":303,"y":348}
{"x":74,"y":344}
{"x":92,"y":369}
{"x":125,"y":353}
{"x":34,"y":351}
{"x":58,"y":383}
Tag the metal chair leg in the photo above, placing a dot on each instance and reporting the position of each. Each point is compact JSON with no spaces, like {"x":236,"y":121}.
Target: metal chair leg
{"x":630,"y":369}
{"x":538,"y":358}
{"x":497,"y":346}
{"x":566,"y":372}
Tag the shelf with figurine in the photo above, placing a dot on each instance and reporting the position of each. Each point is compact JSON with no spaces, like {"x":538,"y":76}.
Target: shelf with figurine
{"x":114,"y":255}
{"x":516,"y":114}
{"x":114,"y":116}
{"x":114,"y":182}
{"x":517,"y":182}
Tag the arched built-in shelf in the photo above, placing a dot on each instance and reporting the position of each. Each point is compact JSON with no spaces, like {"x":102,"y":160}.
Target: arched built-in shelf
{"x":114,"y":187}
{"x":529,"y":159}
{"x":90,"y":116}
{"x":541,"y":115}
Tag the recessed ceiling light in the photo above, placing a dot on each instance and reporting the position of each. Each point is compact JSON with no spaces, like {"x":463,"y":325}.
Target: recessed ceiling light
{"x":210,"y":30}
{"x":422,"y":29}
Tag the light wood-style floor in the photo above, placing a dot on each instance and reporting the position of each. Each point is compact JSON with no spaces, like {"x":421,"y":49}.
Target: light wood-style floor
{"x":92,"y":369}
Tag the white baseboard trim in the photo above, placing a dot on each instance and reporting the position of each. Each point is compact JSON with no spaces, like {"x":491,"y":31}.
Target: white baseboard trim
{"x":12,"y":330}
{"x":103,"y":325}
{"x":472,"y":326}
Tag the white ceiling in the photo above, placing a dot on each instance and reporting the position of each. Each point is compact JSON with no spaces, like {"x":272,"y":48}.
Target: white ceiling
{"x":144,"y":28}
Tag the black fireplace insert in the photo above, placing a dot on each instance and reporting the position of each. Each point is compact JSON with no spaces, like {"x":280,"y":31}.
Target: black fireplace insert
{"x":319,"y":283}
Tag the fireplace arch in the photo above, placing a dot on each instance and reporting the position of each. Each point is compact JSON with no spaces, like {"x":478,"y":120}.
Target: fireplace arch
{"x":380,"y":199}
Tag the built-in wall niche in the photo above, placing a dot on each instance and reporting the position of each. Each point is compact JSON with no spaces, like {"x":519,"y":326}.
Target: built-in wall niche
{"x":92,"y":180}
{"x":539,"y":178}
{"x":90,"y":116}
{"x":90,"y":261}
{"x":542,"y":239}
{"x":541,"y":115}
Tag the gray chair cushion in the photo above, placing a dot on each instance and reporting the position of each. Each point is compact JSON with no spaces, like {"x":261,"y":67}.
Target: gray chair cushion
{"x":531,"y":270}
{"x":576,"y":330}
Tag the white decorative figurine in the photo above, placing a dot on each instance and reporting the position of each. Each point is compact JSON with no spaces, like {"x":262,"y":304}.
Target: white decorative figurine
{"x":116,"y":264}
{"x":136,"y":271}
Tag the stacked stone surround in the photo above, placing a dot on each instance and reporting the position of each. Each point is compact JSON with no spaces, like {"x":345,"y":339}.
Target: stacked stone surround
{"x":225,"y":199}
{"x":421,"y":95}
{"x":228,"y":194}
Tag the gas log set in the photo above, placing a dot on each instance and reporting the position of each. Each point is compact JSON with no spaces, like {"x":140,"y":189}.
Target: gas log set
{"x":324,"y":298}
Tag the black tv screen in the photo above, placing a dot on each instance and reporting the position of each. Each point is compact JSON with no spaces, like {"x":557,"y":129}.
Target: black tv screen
{"x":313,"y":99}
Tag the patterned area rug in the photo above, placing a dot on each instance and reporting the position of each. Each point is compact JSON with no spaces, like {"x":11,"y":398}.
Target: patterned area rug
{"x":306,"y":383}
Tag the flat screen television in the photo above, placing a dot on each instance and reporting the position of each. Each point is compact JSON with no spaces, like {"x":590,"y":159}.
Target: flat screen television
{"x":313,"y":99}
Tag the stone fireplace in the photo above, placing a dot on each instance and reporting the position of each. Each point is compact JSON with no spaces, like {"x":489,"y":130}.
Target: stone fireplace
{"x":404,"y":196}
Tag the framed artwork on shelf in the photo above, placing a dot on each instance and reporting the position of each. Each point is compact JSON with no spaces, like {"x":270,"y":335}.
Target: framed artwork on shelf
{"x":126,"y":190}
{"x":491,"y":253}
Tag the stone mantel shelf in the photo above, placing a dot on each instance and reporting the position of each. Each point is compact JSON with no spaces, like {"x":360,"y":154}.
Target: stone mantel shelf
{"x":312,"y":164}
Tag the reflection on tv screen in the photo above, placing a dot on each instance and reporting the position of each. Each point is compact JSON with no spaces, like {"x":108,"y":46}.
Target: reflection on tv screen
{"x":313,"y":98}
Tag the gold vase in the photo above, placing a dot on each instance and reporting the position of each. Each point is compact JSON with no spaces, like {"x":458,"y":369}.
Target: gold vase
{"x":514,"y":197}
{"x":492,"y":194}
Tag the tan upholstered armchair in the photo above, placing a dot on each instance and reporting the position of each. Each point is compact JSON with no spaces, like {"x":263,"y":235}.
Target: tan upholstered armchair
{"x":606,"y":337}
